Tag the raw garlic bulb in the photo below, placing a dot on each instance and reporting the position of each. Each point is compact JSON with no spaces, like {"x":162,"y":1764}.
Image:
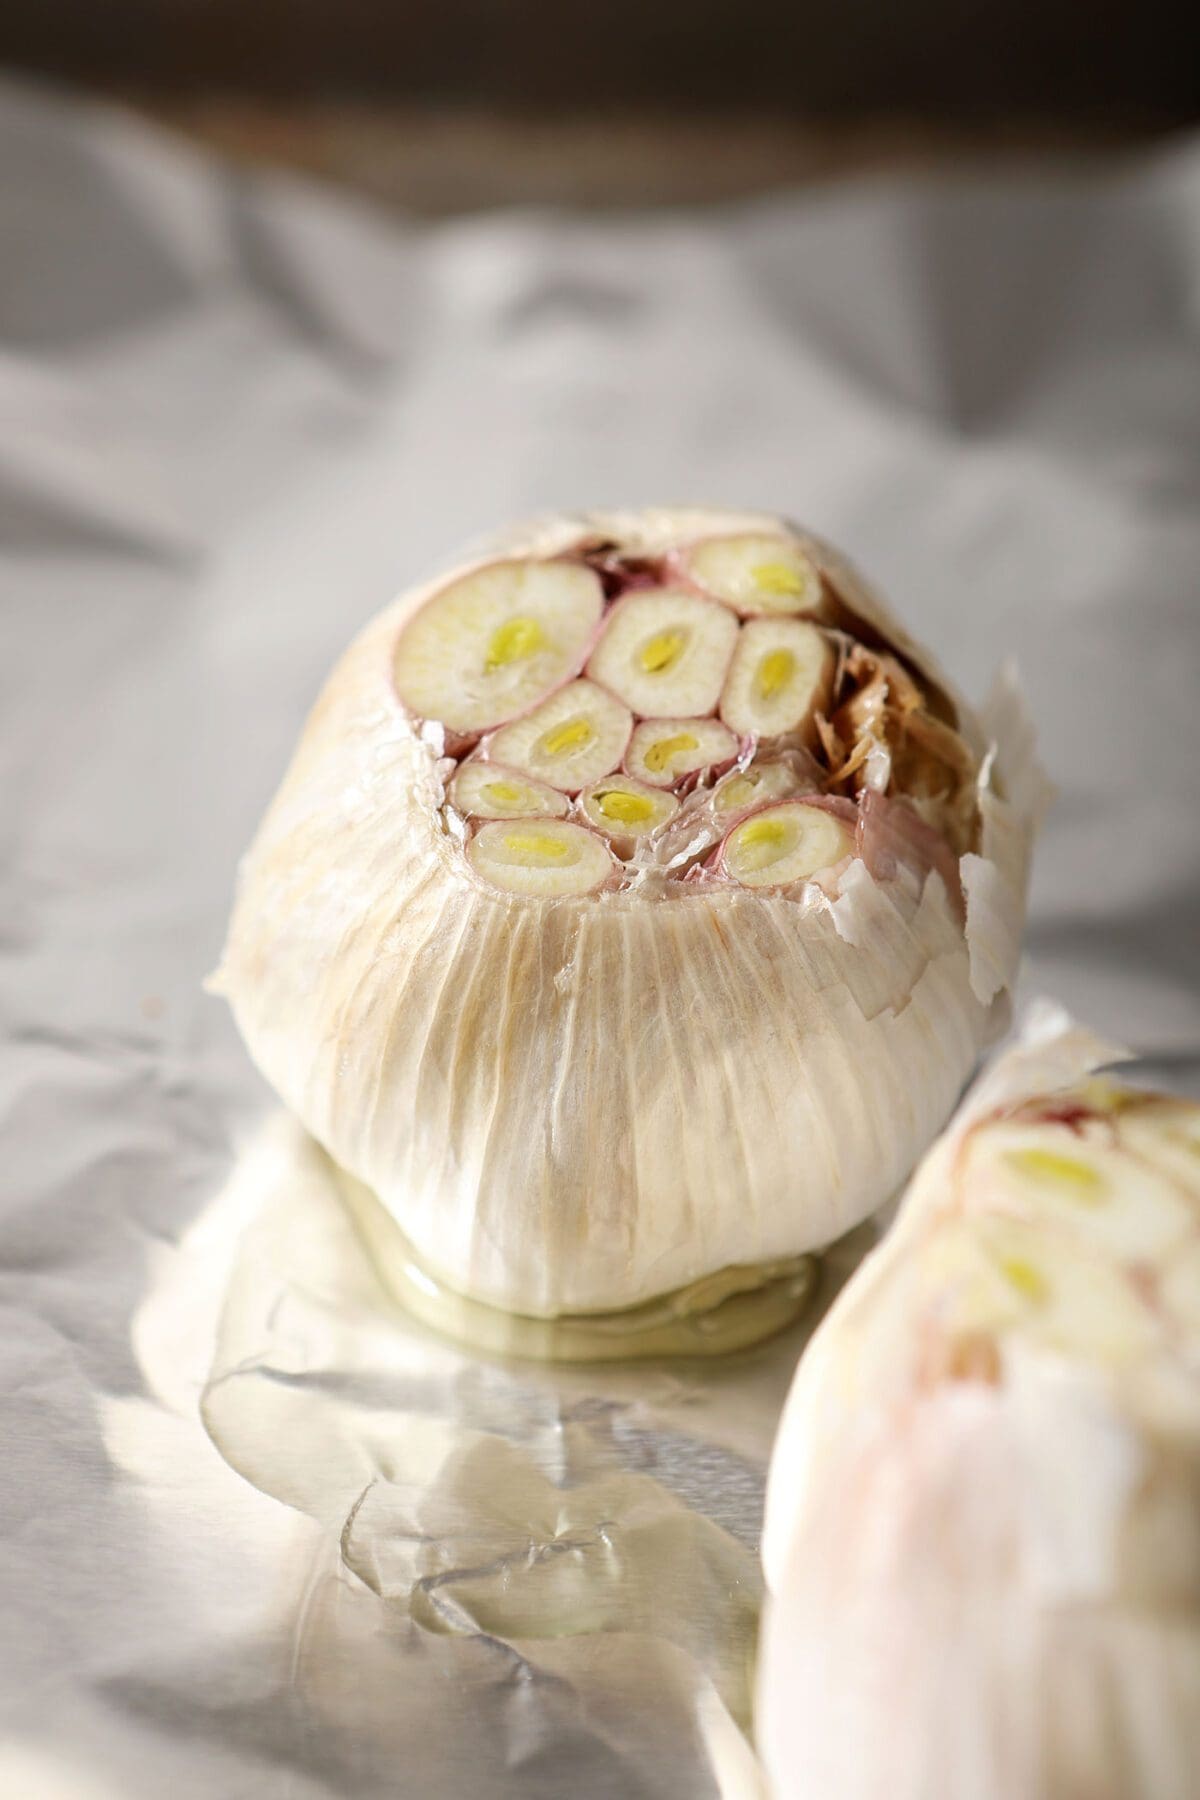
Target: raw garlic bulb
{"x":983,"y":1513}
{"x":635,"y":906}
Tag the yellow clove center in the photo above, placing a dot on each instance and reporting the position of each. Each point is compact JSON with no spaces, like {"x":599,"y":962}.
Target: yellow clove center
{"x":536,"y":846}
{"x":572,"y":735}
{"x":762,"y":841}
{"x":506,"y":793}
{"x":512,"y":642}
{"x":1075,"y":1178}
{"x":737,"y":793}
{"x":777,"y":578}
{"x":659,"y":754}
{"x":1025,"y":1278}
{"x":663,"y":651}
{"x":623,"y":808}
{"x":774,"y":672}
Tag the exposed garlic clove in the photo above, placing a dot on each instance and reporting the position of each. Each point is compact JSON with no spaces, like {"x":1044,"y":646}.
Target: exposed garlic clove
{"x":665,"y":652}
{"x":625,"y":810}
{"x":756,"y":574}
{"x":780,"y":845}
{"x":662,"y":751}
{"x":993,"y":1275}
{"x":774,"y":779}
{"x":1079,"y":1180}
{"x":781,"y":674}
{"x":545,"y":859}
{"x":569,"y":741}
{"x":485,"y":790}
{"x":494,"y":642}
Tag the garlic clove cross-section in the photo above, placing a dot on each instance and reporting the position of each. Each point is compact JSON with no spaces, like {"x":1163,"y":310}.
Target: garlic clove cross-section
{"x":779,"y":845}
{"x":664,"y":651}
{"x":781,"y":674}
{"x":540,"y":858}
{"x":756,"y":574}
{"x":626,"y":810}
{"x":1082,"y":1182}
{"x":485,"y":790}
{"x":606,"y":1000}
{"x":781,"y":778}
{"x":664,"y":751}
{"x":496,"y":641}
{"x":571,"y":739}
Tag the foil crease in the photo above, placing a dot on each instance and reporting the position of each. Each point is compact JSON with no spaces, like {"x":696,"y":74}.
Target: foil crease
{"x":260,"y":1535}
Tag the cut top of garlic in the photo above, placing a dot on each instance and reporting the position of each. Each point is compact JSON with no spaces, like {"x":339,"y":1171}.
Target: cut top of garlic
{"x":658,"y":662}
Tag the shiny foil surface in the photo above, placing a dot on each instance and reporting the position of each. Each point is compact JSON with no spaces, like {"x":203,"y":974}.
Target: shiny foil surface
{"x":261,"y":1533}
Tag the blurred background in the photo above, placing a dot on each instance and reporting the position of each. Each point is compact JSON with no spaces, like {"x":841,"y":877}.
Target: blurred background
{"x":446,"y":105}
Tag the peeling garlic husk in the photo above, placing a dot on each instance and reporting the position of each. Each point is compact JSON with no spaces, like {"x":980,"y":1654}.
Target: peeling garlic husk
{"x":982,"y":1540}
{"x":575,"y":1103}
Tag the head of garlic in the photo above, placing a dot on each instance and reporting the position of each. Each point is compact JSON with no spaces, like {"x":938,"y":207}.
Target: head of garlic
{"x":982,"y":1541}
{"x":635,"y":906}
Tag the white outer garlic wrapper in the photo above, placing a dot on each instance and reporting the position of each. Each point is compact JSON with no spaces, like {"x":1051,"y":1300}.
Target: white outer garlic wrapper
{"x":982,"y":1540}
{"x":572,"y":1103}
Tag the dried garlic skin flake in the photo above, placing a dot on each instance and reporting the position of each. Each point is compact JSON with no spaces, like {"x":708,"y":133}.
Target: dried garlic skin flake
{"x":991,"y":1456}
{"x":578,"y":1059}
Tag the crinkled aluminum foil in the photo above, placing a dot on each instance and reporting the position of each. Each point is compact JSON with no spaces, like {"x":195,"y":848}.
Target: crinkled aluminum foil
{"x":558,"y":1565}
{"x":261,"y":1535}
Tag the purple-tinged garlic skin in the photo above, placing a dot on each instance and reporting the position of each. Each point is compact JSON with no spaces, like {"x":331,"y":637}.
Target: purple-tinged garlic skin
{"x":642,"y":1069}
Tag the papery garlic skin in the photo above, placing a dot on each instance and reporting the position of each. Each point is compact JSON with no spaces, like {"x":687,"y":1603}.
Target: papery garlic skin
{"x":572,"y":1104}
{"x":982,"y":1540}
